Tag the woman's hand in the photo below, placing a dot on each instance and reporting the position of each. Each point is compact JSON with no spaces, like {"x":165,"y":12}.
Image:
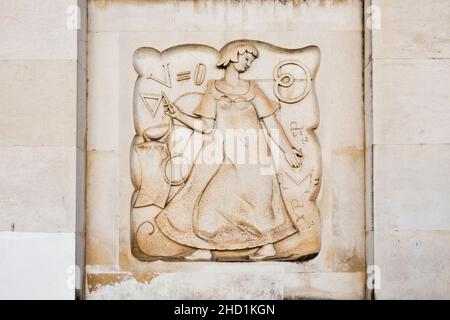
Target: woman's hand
{"x":293,"y":157}
{"x":172,"y":110}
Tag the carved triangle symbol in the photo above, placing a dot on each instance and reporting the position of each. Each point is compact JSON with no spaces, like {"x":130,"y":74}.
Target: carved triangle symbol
{"x":152,"y":101}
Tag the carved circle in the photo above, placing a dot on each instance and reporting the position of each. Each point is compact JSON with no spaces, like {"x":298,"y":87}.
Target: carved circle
{"x":167,"y":164}
{"x":286,"y":80}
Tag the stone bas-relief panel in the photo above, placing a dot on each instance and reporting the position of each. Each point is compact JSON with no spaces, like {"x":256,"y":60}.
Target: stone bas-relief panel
{"x":225,"y":163}
{"x":116,"y":267}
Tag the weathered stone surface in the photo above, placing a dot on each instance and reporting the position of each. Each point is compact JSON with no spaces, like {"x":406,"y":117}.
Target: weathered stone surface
{"x":103,"y":101}
{"x":411,"y":101}
{"x":412,"y":30}
{"x":231,"y":283}
{"x":411,"y":153}
{"x":41,"y":148}
{"x":38,"y":189}
{"x":336,"y":29}
{"x":413,"y":264}
{"x":41,"y":30}
{"x":393,"y":151}
{"x":170,"y":129}
{"x":102,"y":211}
{"x":38,"y":103}
{"x":41,"y":266}
{"x":195,"y":286}
{"x":409,"y":184}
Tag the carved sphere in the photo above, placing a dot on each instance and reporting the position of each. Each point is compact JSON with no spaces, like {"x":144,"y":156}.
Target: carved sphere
{"x":157,"y":132}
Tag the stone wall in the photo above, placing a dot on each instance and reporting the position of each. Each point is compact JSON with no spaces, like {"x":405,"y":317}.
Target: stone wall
{"x":411,"y":153}
{"x":42,"y":129}
{"x":336,"y":29}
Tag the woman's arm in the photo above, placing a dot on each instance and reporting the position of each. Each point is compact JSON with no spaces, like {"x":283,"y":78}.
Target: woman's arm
{"x":292,"y":154}
{"x":203,"y":125}
{"x":271,"y":124}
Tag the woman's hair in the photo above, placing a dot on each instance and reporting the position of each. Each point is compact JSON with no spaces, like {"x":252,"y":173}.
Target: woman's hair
{"x":232,"y":50}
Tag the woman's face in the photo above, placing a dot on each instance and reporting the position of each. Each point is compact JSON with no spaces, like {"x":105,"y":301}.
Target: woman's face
{"x":244,"y":62}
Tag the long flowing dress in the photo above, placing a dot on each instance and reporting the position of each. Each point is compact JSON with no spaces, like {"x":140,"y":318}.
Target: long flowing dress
{"x":230,"y":204}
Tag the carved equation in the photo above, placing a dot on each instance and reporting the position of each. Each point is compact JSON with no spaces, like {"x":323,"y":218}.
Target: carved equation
{"x":298,"y":132}
{"x":167,"y":81}
{"x":302,"y":222}
{"x":199,"y":75}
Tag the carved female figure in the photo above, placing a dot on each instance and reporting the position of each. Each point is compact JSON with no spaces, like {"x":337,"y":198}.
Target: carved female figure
{"x":230,"y":205}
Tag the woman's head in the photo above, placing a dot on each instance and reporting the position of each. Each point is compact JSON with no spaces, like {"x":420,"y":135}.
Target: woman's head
{"x":241,"y":54}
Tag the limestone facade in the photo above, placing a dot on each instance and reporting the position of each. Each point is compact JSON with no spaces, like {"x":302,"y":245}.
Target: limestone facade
{"x":67,"y":124}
